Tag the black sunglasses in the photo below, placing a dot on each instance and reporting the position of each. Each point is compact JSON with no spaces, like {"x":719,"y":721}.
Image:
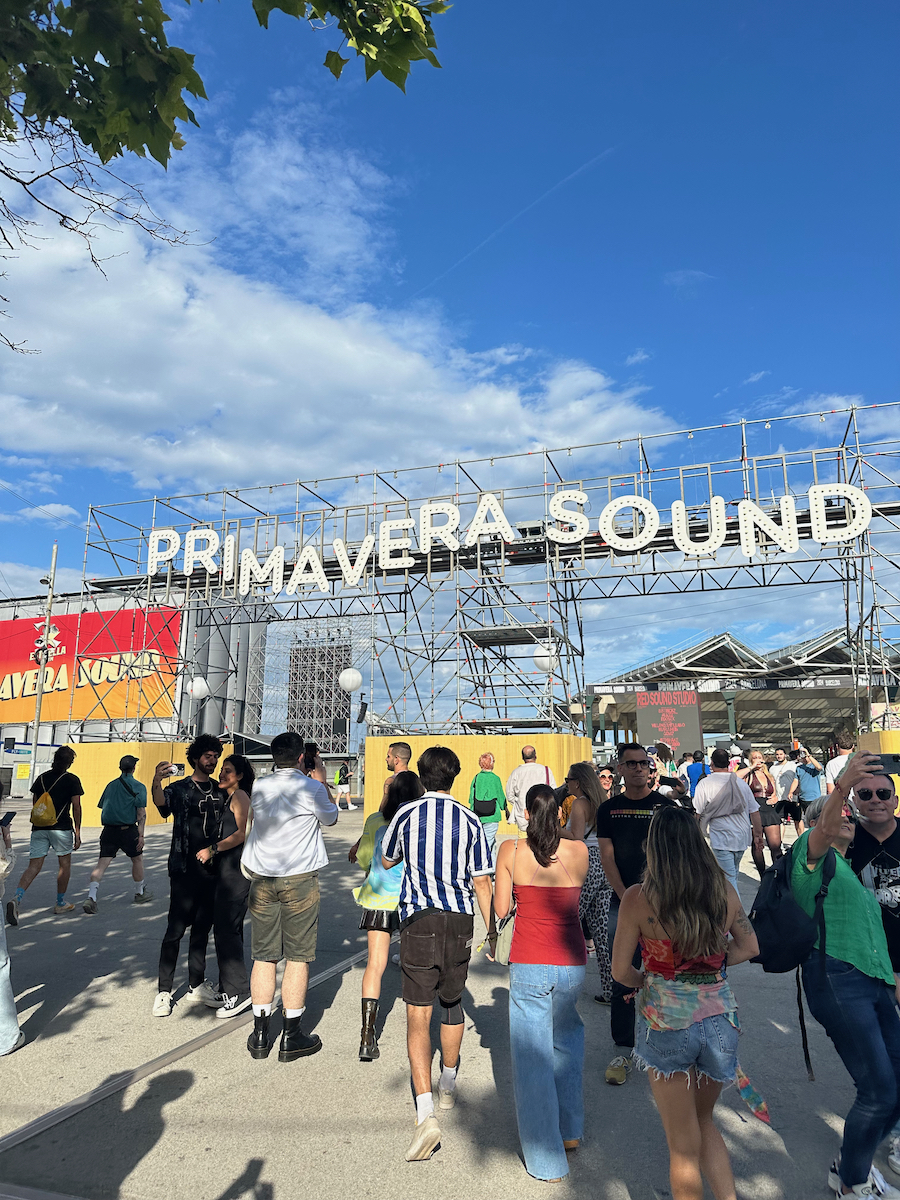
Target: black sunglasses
{"x":865,"y":794}
{"x":636,"y":762}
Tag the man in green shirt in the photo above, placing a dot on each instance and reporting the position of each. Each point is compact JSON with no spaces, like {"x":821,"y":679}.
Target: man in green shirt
{"x":487,"y":800}
{"x":123,"y":813}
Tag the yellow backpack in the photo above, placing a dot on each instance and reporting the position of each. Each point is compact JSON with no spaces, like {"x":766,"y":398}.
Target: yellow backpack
{"x":43,"y":811}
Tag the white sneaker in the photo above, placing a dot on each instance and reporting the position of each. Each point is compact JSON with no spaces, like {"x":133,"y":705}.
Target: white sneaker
{"x":876,"y":1186}
{"x":894,"y":1156}
{"x":162,"y":1005}
{"x":206,"y":992}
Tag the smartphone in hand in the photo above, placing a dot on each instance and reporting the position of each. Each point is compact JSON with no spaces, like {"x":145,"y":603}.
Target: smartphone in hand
{"x":6,"y":819}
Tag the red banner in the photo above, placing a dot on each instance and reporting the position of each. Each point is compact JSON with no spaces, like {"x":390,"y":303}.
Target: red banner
{"x":127,"y":665}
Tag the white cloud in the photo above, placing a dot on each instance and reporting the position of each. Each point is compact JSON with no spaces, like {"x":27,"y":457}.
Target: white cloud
{"x":685,"y":284}
{"x":51,"y":513}
{"x":755,"y":377}
{"x":19,"y":579}
{"x":640,"y":355}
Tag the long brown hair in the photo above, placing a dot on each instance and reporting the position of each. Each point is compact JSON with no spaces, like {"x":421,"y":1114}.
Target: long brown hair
{"x":684,"y":884}
{"x":586,"y":778}
{"x":543,"y":832}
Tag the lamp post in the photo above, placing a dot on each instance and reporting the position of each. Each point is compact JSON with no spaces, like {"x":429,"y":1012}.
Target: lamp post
{"x":729,"y":698}
{"x":42,"y":657}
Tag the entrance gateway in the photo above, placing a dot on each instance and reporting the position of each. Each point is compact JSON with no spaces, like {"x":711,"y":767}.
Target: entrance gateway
{"x":464,"y":592}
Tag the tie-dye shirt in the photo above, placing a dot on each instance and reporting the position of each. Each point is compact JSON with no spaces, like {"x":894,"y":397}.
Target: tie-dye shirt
{"x":678,"y":993}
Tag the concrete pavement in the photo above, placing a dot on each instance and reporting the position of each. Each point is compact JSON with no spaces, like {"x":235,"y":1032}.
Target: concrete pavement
{"x":216,"y":1125}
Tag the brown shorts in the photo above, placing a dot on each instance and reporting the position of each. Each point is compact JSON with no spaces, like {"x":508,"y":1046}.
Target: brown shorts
{"x":284,"y":917}
{"x":435,"y":949}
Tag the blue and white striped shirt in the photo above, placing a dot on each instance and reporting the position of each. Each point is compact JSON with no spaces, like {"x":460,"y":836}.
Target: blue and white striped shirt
{"x":443,"y":847}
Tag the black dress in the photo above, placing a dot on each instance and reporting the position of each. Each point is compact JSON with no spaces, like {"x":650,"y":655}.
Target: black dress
{"x":232,"y":891}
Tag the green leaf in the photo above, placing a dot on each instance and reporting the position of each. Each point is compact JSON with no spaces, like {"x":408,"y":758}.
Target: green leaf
{"x":335,"y":63}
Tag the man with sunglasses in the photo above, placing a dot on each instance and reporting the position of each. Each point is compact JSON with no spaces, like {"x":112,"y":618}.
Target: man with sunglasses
{"x":622,"y":824}
{"x":875,"y":855}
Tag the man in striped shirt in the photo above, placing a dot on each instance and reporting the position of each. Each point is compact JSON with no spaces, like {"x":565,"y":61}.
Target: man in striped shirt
{"x":446,"y":859}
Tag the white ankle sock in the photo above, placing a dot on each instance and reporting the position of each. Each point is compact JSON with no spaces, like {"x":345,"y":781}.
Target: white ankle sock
{"x":262,"y":1010}
{"x":94,"y":890}
{"x":448,"y":1077}
{"x":139,"y":888}
{"x":295,"y":1012}
{"x":424,"y":1107}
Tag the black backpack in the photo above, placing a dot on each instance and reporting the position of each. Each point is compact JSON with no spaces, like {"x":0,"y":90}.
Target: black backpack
{"x":785,"y":932}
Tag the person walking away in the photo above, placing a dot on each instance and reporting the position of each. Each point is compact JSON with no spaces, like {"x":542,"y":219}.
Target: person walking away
{"x":57,"y":802}
{"x":696,"y":771}
{"x":397,"y":760}
{"x":446,"y":860}
{"x":846,"y":745}
{"x":342,"y":786}
{"x":223,"y":858}
{"x":487,"y":800}
{"x":851,"y":988}
{"x":762,"y":785}
{"x":729,"y":813}
{"x":521,"y":779}
{"x":875,"y":858}
{"x":784,"y":771}
{"x":687,"y":1014}
{"x":544,"y":872}
{"x":123,"y":815}
{"x":622,"y":825}
{"x":593,"y":905}
{"x":195,"y":804}
{"x":379,"y":897}
{"x":11,"y":1037}
{"x":283,"y":855}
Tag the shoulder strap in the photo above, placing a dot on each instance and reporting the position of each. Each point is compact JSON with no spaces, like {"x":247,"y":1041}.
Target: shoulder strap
{"x":547,"y":774}
{"x":129,"y":789}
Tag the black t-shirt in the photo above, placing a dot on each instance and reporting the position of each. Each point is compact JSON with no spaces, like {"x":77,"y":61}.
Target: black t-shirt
{"x":885,"y":859}
{"x":196,"y":808}
{"x":625,"y":822}
{"x":62,"y":789}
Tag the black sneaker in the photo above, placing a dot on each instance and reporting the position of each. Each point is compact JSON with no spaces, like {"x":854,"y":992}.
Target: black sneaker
{"x":12,"y":913}
{"x":234,"y":1005}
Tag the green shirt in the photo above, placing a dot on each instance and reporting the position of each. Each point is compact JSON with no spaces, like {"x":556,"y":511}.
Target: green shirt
{"x":854,"y":932}
{"x":117,"y":805}
{"x":488,"y":786}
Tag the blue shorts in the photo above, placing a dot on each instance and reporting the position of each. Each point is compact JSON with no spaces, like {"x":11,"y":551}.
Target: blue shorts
{"x":51,"y":841}
{"x":709,"y":1046}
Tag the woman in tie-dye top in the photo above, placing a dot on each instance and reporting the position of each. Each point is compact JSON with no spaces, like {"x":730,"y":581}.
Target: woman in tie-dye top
{"x":687,"y":1028}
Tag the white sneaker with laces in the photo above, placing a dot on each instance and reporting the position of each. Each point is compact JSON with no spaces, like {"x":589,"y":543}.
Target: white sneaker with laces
{"x":894,"y":1156}
{"x":206,"y":992}
{"x":876,"y":1186}
{"x":162,"y":1005}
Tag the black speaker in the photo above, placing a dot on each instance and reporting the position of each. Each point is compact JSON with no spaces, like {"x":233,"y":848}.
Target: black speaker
{"x":363,"y":709}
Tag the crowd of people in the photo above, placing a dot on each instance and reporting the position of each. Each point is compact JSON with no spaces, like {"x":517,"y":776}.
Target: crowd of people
{"x":635,"y":862}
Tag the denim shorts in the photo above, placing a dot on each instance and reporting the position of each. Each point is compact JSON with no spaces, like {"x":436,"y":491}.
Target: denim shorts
{"x":51,"y":841}
{"x":710,"y":1046}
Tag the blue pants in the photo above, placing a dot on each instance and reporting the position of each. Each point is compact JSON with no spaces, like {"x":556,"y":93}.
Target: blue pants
{"x":490,"y":836}
{"x":546,"y":1037}
{"x":729,"y":861}
{"x":859,"y":1014}
{"x":9,"y":1022}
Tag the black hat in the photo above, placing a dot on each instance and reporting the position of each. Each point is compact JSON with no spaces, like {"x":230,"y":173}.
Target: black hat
{"x":127,"y":762}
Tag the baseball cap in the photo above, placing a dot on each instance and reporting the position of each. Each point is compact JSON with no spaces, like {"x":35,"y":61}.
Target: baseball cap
{"x":127,"y":762}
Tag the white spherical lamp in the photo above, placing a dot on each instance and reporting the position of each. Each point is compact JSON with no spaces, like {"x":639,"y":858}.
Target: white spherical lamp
{"x":350,"y":680}
{"x":546,"y":659}
{"x":198,"y":689}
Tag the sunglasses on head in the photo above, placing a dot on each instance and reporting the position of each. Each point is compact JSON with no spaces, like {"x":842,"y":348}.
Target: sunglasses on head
{"x":866,"y":794}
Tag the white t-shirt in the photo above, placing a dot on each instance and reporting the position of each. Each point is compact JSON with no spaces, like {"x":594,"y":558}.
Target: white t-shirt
{"x":834,"y":767}
{"x":520,"y":780}
{"x":731,"y":832}
{"x":784,"y":775}
{"x":285,"y":839}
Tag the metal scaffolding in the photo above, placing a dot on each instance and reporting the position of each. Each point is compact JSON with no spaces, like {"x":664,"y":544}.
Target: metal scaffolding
{"x":490,"y":637}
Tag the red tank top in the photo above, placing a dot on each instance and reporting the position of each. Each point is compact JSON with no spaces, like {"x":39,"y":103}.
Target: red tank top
{"x":547,"y":927}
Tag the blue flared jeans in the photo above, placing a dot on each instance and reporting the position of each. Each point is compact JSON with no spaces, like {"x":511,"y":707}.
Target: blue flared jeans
{"x":546,"y":1036}
{"x":859,"y":1014}
{"x":9,"y":1022}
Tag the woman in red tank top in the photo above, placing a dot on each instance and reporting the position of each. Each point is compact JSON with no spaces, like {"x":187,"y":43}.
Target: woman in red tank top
{"x":546,"y":970}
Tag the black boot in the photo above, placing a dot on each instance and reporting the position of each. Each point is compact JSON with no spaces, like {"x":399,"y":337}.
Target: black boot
{"x":258,"y":1041}
{"x":295,"y":1043}
{"x":368,"y":1042}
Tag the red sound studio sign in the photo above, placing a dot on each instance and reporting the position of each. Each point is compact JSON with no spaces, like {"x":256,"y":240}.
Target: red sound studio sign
{"x":672,"y":717}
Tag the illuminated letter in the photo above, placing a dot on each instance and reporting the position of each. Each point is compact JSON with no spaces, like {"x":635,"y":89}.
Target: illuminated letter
{"x":637,"y":541}
{"x":155,"y":556}
{"x":386,"y":544}
{"x":308,"y":561}
{"x":353,"y":572}
{"x":203,"y":556}
{"x":228,"y":555}
{"x":716,"y":528}
{"x":489,"y":504}
{"x":829,"y":534}
{"x":578,"y":519}
{"x":429,"y":532}
{"x":252,"y":571}
{"x":784,"y":535}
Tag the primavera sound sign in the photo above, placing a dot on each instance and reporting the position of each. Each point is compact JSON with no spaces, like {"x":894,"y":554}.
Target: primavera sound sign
{"x":438,"y":523}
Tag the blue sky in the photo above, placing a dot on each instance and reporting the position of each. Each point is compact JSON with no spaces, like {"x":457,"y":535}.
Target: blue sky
{"x":691,"y":209}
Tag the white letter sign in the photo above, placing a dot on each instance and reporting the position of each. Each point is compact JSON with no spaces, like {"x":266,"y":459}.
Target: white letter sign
{"x":579,"y":522}
{"x":827,"y":534}
{"x":251,"y":570}
{"x":204,"y":556}
{"x":639,"y":540}
{"x":489,"y":505}
{"x":155,"y":556}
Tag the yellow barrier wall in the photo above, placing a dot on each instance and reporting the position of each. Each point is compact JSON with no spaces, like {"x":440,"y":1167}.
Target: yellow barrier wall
{"x":887,"y":740}
{"x":554,"y":750}
{"x":96,"y":763}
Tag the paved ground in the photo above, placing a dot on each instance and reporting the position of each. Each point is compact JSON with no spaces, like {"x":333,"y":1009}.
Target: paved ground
{"x":215,"y":1125}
